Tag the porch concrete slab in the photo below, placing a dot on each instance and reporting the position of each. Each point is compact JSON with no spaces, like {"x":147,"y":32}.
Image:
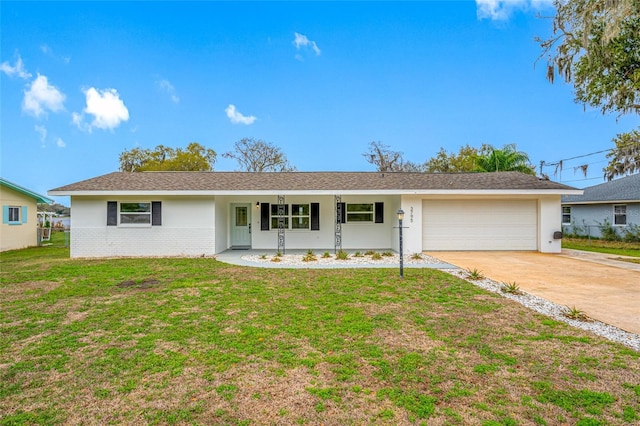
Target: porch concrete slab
{"x":605,"y":290}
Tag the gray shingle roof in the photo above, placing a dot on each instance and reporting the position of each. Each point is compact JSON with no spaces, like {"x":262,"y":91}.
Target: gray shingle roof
{"x":307,"y":181}
{"x":623,"y":189}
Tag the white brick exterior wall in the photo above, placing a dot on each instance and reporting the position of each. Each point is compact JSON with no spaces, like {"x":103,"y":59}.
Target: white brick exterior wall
{"x":187,"y":229}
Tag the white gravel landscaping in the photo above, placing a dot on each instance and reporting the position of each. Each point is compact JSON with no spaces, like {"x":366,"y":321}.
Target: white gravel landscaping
{"x":297,"y":260}
{"x":536,"y":303}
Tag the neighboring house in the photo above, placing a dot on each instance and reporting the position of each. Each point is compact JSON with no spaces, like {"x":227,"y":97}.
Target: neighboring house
{"x":19,"y":227}
{"x":204,"y":213}
{"x":616,"y":203}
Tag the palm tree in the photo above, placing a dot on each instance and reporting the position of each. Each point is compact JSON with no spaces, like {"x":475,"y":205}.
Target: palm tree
{"x":625,"y":157}
{"x":507,"y":159}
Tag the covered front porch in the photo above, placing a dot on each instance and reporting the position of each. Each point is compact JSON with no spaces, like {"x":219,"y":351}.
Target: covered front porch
{"x":326,"y":222}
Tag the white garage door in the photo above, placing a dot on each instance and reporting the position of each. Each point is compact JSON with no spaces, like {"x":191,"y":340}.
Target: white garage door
{"x":479,"y":224}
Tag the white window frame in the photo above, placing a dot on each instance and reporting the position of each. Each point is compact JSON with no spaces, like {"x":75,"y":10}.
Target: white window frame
{"x":615,"y":214}
{"x":273,"y":216}
{"x":146,"y":214}
{"x":290,"y":217}
{"x":351,"y":215}
{"x":17,"y":221}
{"x":300,"y":216}
{"x":566,"y":212}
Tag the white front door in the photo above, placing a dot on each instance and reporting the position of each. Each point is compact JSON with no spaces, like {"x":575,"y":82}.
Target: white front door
{"x":240,"y":226}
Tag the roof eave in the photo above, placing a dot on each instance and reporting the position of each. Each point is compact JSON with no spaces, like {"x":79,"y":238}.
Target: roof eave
{"x":602,"y":201}
{"x":85,"y":193}
{"x":39,"y":198}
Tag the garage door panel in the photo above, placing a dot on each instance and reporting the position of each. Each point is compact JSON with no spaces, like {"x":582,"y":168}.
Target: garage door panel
{"x":479,"y":225}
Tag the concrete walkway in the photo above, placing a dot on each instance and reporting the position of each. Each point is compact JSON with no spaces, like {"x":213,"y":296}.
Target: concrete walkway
{"x":604,"y":289}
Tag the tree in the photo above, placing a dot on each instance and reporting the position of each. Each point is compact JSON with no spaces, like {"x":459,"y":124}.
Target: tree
{"x":506,"y":159}
{"x":625,"y":157}
{"x":444,"y":162}
{"x":596,"y":45}
{"x":386,"y":160}
{"x":194,"y":158}
{"x":256,"y":155}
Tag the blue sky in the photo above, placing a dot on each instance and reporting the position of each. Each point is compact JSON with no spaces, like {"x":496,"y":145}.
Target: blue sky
{"x":83,"y":81}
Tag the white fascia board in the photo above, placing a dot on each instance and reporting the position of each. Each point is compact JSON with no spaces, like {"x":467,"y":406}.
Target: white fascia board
{"x":324,"y":192}
{"x":569,"y":203}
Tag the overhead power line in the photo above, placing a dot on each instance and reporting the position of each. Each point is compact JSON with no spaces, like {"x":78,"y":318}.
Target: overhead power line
{"x":561,"y":161}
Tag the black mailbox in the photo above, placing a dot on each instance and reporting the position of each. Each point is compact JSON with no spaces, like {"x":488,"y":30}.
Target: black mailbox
{"x":557,"y":235}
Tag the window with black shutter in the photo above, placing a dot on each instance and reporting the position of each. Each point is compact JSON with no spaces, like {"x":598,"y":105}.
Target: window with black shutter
{"x":379,"y":213}
{"x":156,"y":213}
{"x":264,"y":216}
{"x":112,"y":213}
{"x":315,"y":216}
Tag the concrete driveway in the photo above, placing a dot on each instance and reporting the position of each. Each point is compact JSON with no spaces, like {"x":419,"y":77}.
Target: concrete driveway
{"x":606,"y":290}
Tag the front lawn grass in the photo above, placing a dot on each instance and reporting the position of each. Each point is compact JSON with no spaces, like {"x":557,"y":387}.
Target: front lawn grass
{"x":619,"y":248}
{"x":195,"y":341}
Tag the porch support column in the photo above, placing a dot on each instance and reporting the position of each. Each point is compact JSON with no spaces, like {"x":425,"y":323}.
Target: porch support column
{"x":338,"y":224}
{"x":281,"y":223}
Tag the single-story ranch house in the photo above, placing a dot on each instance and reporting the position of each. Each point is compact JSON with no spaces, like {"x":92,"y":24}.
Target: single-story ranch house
{"x":204,"y":213}
{"x":616,"y":203}
{"x":19,"y":227}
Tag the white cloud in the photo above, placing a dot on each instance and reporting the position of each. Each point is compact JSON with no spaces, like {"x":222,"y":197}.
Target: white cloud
{"x":77,"y":119}
{"x":236,"y":117}
{"x":47,"y":50}
{"x":107,"y":109}
{"x":15,"y":70}
{"x":60,"y":143}
{"x":168,"y":88}
{"x":501,"y":10}
{"x":42,"y":96}
{"x":301,"y":41}
{"x":42,"y":131}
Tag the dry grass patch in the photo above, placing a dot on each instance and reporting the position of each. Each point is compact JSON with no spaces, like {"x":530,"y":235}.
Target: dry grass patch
{"x":25,"y":290}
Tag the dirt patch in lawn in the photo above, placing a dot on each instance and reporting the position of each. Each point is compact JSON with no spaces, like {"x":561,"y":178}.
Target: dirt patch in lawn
{"x":12,"y":292}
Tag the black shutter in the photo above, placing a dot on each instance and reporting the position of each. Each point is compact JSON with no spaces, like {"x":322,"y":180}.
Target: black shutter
{"x":156,"y":213}
{"x":343,"y":213}
{"x":379,"y":213}
{"x":264,"y":216}
{"x":315,"y":216}
{"x":112,"y":213}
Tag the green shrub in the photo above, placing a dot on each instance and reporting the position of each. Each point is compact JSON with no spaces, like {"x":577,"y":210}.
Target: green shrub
{"x":575,"y":314}
{"x":309,"y":257}
{"x":474,"y":274}
{"x":511,"y":287}
{"x":342,"y":255}
{"x":608,"y":232}
{"x":631,"y":233}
